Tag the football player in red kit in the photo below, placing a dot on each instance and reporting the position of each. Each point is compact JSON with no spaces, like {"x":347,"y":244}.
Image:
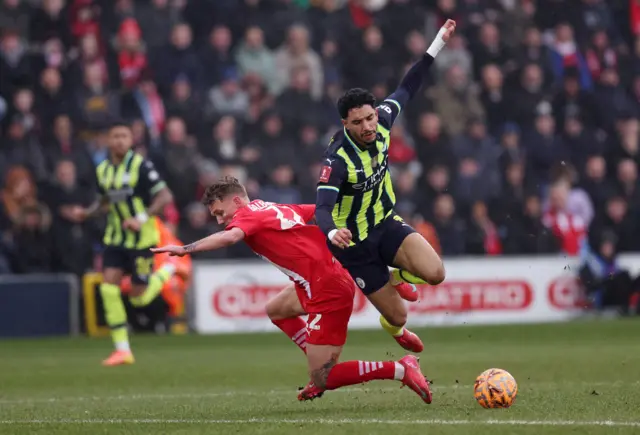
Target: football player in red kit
{"x":325,"y":290}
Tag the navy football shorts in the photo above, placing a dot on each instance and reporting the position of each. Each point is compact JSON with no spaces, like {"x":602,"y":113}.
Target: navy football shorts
{"x":368,"y":261}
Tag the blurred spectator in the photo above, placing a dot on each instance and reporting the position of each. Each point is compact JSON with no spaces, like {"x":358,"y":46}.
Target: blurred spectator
{"x":72,"y":249}
{"x":97,"y":104}
{"x":494,"y":99}
{"x":595,"y":182}
{"x":482,"y":235}
{"x":544,"y":148}
{"x":186,"y":104}
{"x":179,"y":58}
{"x":615,"y":218}
{"x":156,"y":20}
{"x":130,"y":49}
{"x":478,"y":170}
{"x":20,"y":148}
{"x":228,"y":98}
{"x":15,"y":67}
{"x":573,"y":102}
{"x":489,"y":49}
{"x":51,"y":98}
{"x":181,"y":162}
{"x":451,"y":231}
{"x":295,"y":53}
{"x":216,"y":57}
{"x":63,"y":145}
{"x":607,"y":284}
{"x":530,"y":97}
{"x":568,"y":228}
{"x":566,"y":54}
{"x":51,"y":21}
{"x":432,"y":145}
{"x":23,"y":102}
{"x":455,"y":54}
{"x":526,"y":233}
{"x":14,"y":14}
{"x":253,"y":56}
{"x":280,"y":188}
{"x":456,"y":100}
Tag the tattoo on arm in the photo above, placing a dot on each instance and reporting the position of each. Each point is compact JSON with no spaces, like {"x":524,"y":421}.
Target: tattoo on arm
{"x":191,"y":246}
{"x":320,"y":376}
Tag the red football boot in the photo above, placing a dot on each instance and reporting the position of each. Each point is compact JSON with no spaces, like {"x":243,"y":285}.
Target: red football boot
{"x":310,"y":392}
{"x":408,"y":292}
{"x":410,"y":341}
{"x":414,"y":379}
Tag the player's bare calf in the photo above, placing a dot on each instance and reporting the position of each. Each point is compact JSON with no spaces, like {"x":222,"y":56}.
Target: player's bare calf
{"x":328,"y":374}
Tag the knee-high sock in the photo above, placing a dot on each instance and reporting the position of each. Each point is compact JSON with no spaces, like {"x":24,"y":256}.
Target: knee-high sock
{"x":296,"y":330}
{"x":156,"y":282}
{"x":116,"y":315}
{"x":396,"y":331}
{"x":357,"y":372}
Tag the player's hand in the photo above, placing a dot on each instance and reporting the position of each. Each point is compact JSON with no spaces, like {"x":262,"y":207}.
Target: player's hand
{"x":342,"y":238}
{"x":172,"y":250}
{"x":132,"y":224}
{"x":449,"y":29}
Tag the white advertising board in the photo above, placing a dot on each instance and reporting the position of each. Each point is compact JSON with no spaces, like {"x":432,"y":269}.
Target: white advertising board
{"x":231,"y":296}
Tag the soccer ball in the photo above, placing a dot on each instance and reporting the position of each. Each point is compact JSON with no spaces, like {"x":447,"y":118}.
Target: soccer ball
{"x":495,"y":388}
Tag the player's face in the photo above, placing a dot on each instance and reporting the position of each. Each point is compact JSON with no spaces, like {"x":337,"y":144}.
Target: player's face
{"x":224,"y":210}
{"x":362,"y":123}
{"x":120,"y":140}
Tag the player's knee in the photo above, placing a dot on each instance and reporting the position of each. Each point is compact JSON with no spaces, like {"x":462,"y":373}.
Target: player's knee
{"x":437,"y":275}
{"x":273,"y":310}
{"x":398,"y":318}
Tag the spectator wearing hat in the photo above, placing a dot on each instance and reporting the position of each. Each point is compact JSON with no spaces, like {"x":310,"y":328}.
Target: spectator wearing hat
{"x":228,"y":98}
{"x":131,"y":54}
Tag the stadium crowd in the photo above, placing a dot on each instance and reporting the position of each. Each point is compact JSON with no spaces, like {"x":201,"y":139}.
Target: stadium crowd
{"x":525,"y":139}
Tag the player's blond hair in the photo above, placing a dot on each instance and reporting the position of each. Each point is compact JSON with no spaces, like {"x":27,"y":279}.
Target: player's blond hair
{"x":224,"y":187}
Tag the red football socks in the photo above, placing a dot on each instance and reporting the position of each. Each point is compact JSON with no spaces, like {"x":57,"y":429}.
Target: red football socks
{"x":296,"y":330}
{"x":357,"y":372}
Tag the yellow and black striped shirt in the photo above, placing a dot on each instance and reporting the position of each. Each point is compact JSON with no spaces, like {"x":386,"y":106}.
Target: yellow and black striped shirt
{"x":130,"y":187}
{"x":361,"y":178}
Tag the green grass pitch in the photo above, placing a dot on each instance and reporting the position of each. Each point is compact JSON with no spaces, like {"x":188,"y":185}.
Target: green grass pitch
{"x":575,"y":378}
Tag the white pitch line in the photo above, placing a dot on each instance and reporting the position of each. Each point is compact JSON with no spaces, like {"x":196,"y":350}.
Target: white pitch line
{"x":608,"y":423}
{"x":284,"y":392}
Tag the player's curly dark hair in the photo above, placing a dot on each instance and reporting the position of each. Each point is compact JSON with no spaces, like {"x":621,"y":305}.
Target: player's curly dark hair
{"x":224,"y":187}
{"x":354,"y":98}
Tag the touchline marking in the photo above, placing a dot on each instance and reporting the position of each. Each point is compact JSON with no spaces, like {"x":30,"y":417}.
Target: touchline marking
{"x":284,"y":392}
{"x":609,"y":423}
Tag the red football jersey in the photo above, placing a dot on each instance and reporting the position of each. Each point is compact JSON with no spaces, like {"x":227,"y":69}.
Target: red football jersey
{"x":279,"y":234}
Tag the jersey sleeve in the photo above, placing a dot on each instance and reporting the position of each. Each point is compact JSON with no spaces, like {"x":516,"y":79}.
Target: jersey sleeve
{"x":248,"y":222}
{"x":332,"y":174}
{"x":411,"y":83}
{"x":306,"y":211}
{"x":389,"y":110}
{"x":149,"y":181}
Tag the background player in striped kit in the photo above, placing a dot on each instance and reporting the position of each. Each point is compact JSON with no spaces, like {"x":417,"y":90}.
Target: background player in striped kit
{"x":131,"y":191}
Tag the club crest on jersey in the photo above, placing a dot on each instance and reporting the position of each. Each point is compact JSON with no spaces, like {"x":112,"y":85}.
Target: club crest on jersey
{"x":360,"y":282}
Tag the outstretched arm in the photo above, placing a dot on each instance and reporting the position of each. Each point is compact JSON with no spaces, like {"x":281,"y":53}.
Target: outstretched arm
{"x":414,"y":78}
{"x":221,"y":239}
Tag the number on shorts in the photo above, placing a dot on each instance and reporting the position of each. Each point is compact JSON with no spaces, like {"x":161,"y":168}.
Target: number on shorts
{"x":313,"y":325}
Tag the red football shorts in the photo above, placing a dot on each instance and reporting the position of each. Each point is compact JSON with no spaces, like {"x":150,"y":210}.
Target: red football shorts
{"x":330,"y":308}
